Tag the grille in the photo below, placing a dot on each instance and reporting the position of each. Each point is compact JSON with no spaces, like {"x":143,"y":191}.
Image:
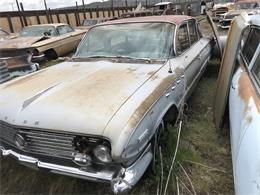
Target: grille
{"x":41,"y":142}
{"x":4,"y":73}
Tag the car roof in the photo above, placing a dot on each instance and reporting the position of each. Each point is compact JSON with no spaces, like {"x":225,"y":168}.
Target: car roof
{"x":163,"y":3}
{"x":174,"y":19}
{"x":254,"y":19}
{"x":53,"y":24}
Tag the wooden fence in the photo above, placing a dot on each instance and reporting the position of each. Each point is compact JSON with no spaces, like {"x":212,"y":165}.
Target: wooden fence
{"x":14,"y":21}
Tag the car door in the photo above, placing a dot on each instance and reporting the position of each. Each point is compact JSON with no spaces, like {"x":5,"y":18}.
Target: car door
{"x":244,"y":113}
{"x":239,"y":92}
{"x":192,"y":50}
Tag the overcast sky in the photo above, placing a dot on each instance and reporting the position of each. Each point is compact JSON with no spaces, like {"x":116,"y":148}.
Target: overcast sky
{"x":9,"y":5}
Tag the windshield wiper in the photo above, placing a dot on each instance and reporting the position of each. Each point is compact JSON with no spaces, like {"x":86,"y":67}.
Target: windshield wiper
{"x":116,"y":57}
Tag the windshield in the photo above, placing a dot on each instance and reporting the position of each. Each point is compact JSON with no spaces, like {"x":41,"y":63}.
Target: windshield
{"x":90,"y":22}
{"x":38,"y":31}
{"x":133,"y":40}
{"x":245,"y":5}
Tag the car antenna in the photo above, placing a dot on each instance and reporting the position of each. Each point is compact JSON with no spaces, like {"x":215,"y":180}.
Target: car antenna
{"x":170,"y":66}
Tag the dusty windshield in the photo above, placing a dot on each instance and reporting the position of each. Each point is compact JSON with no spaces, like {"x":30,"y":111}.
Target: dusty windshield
{"x":132,"y":40}
{"x":38,"y":31}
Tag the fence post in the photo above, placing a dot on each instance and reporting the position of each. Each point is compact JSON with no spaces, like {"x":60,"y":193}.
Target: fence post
{"x":46,"y":10}
{"x":90,"y":13}
{"x":112,"y":6}
{"x":20,"y":17}
{"x":50,"y":15}
{"x":67,"y":18}
{"x":58,"y":16}
{"x":77,"y":14}
{"x":23,"y":13}
{"x":10,"y":23}
{"x":37,"y":18}
{"x":103,"y":12}
{"x":97,"y":12}
{"x":84,"y":9}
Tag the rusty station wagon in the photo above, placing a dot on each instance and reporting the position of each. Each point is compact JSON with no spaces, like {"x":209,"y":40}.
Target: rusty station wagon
{"x":97,"y":116}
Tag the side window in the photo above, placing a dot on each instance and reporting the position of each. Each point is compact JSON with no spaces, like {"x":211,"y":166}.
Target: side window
{"x":183,"y":42}
{"x":251,"y":45}
{"x":64,"y":29}
{"x":193,"y":31}
{"x":256,"y":68}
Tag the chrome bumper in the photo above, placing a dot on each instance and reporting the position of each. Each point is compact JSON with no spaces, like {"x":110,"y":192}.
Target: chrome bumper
{"x":125,"y":180}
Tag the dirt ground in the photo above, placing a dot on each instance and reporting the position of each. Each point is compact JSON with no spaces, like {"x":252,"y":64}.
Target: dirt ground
{"x":204,"y":154}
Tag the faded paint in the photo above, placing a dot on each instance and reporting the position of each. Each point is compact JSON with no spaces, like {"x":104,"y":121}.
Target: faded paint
{"x":145,"y":105}
{"x":61,"y":44}
{"x":173,"y":19}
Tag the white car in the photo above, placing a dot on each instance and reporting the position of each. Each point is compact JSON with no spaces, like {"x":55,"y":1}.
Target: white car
{"x":97,"y":116}
{"x":239,"y":88}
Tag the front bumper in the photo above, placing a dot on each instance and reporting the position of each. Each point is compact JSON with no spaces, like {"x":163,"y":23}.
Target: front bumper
{"x":120,"y":182}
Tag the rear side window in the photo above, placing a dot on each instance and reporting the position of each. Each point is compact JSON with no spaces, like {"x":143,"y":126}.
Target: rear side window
{"x":256,"y":69}
{"x":193,"y":31}
{"x":64,"y":29}
{"x":183,"y":39}
{"x":251,"y":45}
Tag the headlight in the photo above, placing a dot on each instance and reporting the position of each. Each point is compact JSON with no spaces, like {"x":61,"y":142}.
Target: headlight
{"x":102,"y":153}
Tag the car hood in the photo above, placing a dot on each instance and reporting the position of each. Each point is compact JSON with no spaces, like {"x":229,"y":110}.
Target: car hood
{"x":20,"y":42}
{"x":79,"y":97}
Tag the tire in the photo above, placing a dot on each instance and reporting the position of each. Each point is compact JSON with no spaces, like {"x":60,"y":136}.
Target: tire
{"x":51,"y":55}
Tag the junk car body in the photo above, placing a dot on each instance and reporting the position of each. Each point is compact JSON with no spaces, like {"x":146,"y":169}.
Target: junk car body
{"x":221,"y":8}
{"x":251,"y":7}
{"x":95,"y":116}
{"x":4,"y":34}
{"x":46,"y":40}
{"x":238,"y":97}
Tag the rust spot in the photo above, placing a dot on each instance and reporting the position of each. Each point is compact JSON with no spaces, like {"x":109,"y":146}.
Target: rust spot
{"x":131,"y":70}
{"x":150,"y":73}
{"x":247,"y":90}
{"x":249,"y":119}
{"x":154,"y":77}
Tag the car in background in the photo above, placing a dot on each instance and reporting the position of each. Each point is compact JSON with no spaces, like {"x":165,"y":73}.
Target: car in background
{"x":221,"y":7}
{"x":252,"y":7}
{"x":162,"y":8}
{"x":238,"y":96}
{"x":87,"y":23}
{"x":47,"y":41}
{"x":98,"y":116}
